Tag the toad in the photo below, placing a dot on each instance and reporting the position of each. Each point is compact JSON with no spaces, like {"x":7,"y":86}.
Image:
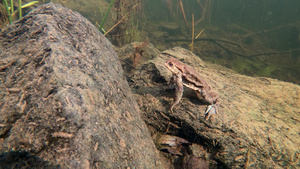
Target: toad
{"x":184,"y":75}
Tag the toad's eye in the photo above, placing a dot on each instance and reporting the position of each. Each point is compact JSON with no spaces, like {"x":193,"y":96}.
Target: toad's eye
{"x":170,"y":64}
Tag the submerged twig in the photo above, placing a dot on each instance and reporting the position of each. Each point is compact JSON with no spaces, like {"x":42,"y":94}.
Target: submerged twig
{"x":199,"y":33}
{"x":182,"y":11}
{"x":64,"y":2}
{"x":204,"y":9}
{"x":232,"y":43}
{"x":204,"y":39}
{"x":121,"y":19}
{"x":193,"y":32}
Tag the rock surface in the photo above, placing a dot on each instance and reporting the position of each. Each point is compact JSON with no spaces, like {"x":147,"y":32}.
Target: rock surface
{"x":64,"y":102}
{"x":258,"y":125}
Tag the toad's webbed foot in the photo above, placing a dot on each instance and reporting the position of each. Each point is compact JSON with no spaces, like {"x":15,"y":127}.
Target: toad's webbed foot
{"x":211,"y":109}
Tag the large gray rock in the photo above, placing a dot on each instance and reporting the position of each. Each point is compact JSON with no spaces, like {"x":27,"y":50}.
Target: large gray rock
{"x":64,"y":101}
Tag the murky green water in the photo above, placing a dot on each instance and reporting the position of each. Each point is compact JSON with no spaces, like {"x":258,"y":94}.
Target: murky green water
{"x":257,"y":38}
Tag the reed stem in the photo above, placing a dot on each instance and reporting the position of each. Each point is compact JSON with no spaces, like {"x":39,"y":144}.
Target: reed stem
{"x":20,"y":9}
{"x":8,"y":12}
{"x":104,"y":19}
{"x":193,"y":33}
{"x":12,"y":6}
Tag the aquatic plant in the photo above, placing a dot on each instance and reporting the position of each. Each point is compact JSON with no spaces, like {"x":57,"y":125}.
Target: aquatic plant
{"x":124,"y":17}
{"x":11,"y":12}
{"x":104,"y":19}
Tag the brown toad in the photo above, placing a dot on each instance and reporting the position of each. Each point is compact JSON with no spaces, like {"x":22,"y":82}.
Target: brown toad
{"x":184,"y":75}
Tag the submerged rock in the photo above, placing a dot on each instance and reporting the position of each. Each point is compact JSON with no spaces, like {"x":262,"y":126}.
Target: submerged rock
{"x":66,"y":104}
{"x":64,"y":100}
{"x":257,"y":126}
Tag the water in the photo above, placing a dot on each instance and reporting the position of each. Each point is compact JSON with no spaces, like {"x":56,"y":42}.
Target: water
{"x":257,"y":38}
{"x":261,"y":38}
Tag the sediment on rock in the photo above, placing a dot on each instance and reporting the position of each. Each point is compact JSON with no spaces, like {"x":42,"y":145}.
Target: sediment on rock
{"x":258,"y":121}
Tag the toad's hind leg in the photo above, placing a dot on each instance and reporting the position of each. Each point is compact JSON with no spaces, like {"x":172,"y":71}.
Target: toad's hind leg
{"x":178,"y":89}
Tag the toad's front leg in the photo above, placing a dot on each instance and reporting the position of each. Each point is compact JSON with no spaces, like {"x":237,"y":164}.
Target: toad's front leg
{"x":177,"y":79}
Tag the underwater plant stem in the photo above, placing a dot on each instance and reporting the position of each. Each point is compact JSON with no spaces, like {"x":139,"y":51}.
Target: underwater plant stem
{"x":12,"y":6}
{"x":64,"y":2}
{"x":108,"y":10}
{"x":20,"y":9}
{"x":193,"y":33}
{"x":8,"y":12}
{"x":204,"y":9}
{"x":120,"y":20}
{"x":209,"y":10}
{"x":183,"y":13}
{"x":199,"y":33}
